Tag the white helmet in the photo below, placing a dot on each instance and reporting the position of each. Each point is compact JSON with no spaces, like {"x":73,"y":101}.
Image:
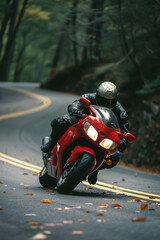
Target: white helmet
{"x":107,"y":95}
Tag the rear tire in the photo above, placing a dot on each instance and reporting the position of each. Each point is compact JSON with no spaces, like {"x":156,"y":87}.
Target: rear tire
{"x":45,"y":180}
{"x":73,"y":175}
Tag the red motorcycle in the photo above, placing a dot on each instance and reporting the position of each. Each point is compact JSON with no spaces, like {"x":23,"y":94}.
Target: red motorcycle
{"x":82,"y":149}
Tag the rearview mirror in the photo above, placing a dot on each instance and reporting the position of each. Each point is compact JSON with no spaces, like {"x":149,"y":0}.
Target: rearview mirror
{"x":85,"y":102}
{"x":129,"y":137}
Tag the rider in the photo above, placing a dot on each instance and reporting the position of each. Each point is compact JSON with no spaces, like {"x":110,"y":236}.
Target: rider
{"x":106,"y":96}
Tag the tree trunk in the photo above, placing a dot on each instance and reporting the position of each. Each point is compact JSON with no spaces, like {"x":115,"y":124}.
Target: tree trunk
{"x":19,"y":60}
{"x":132,"y":58}
{"x":9,"y":48}
{"x":88,"y":49}
{"x":74,"y":18}
{"x":4,"y":23}
{"x":98,"y":29}
{"x":70,"y":16}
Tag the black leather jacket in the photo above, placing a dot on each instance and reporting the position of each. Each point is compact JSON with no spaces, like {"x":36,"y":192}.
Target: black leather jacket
{"x":118,"y":110}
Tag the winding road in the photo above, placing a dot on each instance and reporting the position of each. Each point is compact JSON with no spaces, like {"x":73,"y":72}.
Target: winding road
{"x":124,"y":204}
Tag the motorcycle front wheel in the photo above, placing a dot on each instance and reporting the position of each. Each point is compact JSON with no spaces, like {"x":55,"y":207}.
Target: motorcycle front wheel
{"x":73,"y":175}
{"x":45,"y":180}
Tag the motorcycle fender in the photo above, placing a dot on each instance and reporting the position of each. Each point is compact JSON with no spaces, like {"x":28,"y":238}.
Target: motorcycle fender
{"x":79,"y":150}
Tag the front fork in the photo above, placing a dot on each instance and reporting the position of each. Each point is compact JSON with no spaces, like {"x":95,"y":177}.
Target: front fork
{"x":77,"y":151}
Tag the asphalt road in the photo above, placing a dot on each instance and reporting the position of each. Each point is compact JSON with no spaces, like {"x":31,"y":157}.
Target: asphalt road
{"x":125,"y":204}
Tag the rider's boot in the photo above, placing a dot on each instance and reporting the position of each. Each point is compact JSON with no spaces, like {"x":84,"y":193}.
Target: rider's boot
{"x":92,"y":179}
{"x":48,"y":146}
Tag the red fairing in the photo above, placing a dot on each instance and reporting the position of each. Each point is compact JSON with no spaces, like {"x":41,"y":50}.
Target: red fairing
{"x":80,"y":150}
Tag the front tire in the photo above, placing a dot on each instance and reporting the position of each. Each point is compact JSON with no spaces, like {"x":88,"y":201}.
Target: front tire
{"x":45,"y":180}
{"x":73,"y":175}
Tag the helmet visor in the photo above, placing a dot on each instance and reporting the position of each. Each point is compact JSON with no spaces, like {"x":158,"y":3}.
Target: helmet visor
{"x":109,"y":103}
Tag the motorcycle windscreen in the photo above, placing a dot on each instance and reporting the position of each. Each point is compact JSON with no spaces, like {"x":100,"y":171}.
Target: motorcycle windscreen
{"x":107,"y":116}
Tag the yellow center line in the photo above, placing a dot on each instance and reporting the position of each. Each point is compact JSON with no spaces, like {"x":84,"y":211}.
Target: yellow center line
{"x":99,"y":185}
{"x":123,"y":192}
{"x":46,"y":102}
{"x":125,"y":189}
{"x":12,"y":159}
{"x":19,"y":163}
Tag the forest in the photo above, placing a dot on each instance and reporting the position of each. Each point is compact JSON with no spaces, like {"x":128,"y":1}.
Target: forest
{"x":73,"y":46}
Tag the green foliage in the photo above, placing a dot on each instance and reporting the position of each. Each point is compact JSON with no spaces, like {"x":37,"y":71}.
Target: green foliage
{"x":36,"y":13}
{"x":150,"y":88}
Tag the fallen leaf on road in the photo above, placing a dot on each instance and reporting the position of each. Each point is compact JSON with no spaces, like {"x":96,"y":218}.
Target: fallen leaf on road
{"x":103,"y":205}
{"x":1,"y":182}
{"x":34,"y":223}
{"x":45,"y":201}
{"x":47,"y":232}
{"x":102,"y":210}
{"x":137,"y":200}
{"x":140,"y":219}
{"x":29,"y":194}
{"x":99,"y":214}
{"x":39,"y":236}
{"x":30,"y":214}
{"x":101,"y":220}
{"x":144,"y":206}
{"x":49,"y":190}
{"x":82,"y":220}
{"x":50,"y":224}
{"x":116,"y":205}
{"x":67,"y":222}
{"x":88,"y":188}
{"x":35,"y":174}
{"x":59,"y":224}
{"x":150,"y":197}
{"x":25,"y":187}
{"x":37,"y":227}
{"x":1,"y":208}
{"x":88,"y":203}
{"x":77,"y":232}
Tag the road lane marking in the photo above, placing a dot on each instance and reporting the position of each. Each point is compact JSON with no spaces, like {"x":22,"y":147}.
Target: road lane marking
{"x":125,"y":189}
{"x":124,"y":192}
{"x":46,"y":102}
{"x":19,"y":163}
{"x":100,"y":185}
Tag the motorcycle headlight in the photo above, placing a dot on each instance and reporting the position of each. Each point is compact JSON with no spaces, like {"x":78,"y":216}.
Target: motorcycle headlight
{"x":90,"y":131}
{"x":108,"y":144}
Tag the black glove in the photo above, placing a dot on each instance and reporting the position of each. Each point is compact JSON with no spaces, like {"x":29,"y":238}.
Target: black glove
{"x":122,"y":146}
{"x":76,"y":112}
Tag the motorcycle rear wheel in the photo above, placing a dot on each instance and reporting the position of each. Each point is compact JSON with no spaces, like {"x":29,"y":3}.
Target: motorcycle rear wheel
{"x":73,"y":175}
{"x":45,"y":180}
